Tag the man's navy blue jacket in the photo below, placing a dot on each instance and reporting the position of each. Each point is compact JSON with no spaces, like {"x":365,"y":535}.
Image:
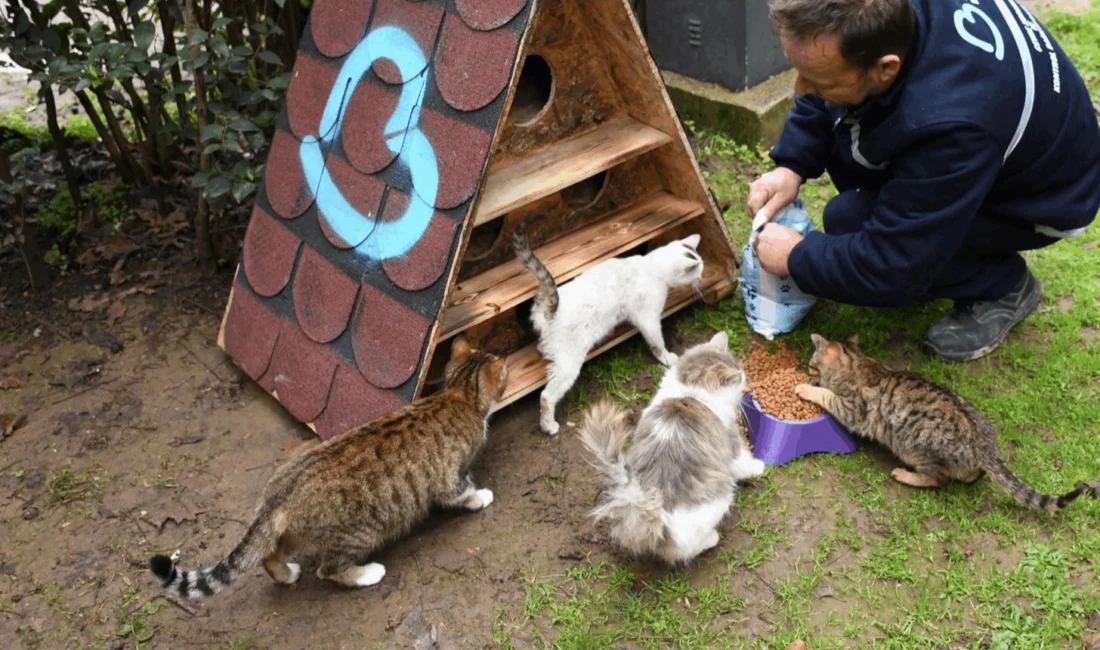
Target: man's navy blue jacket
{"x":988,"y":116}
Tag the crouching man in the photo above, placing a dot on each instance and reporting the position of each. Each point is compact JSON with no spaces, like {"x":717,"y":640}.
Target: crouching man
{"x":957,"y":134}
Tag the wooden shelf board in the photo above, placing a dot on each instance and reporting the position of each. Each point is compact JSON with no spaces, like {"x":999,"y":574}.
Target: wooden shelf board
{"x":559,"y":165}
{"x":482,"y":297}
{"x":527,"y":370}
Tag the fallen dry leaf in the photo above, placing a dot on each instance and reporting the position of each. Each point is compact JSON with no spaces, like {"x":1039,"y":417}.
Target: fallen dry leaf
{"x":10,"y":423}
{"x":178,"y":510}
{"x":116,"y":248}
{"x":1092,"y":642}
{"x":115,"y":312}
{"x":144,"y":289}
{"x":88,"y":304}
{"x":105,"y":340}
{"x":184,"y":440}
{"x":14,"y":381}
{"x":117,"y":275}
{"x":1091,"y":245}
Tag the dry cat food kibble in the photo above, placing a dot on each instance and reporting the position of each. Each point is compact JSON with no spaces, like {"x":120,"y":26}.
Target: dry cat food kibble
{"x":772,"y":378}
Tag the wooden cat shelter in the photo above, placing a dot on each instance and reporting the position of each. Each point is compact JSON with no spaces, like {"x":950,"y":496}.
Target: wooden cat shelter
{"x":416,"y":135}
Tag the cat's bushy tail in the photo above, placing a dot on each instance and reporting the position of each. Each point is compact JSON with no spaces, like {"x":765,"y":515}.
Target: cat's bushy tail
{"x":1029,"y":496}
{"x":546,"y":295}
{"x":636,"y":513}
{"x":258,"y":542}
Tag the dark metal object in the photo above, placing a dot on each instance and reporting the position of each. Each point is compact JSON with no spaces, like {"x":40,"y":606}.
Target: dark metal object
{"x":728,"y":42}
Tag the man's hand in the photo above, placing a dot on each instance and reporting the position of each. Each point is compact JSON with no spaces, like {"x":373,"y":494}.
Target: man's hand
{"x":774,"y":246}
{"x":773,"y":191}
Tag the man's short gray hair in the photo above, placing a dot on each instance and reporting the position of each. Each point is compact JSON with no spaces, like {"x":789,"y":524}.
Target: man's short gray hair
{"x":866,"y":30}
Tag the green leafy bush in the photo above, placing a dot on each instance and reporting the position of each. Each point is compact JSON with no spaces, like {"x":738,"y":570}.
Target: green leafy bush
{"x":191,"y":89}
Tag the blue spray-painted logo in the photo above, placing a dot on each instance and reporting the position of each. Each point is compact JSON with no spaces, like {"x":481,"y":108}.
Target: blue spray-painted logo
{"x":380,"y":241}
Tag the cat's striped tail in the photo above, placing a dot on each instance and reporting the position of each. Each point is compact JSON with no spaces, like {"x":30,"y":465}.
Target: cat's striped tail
{"x":635,"y":512}
{"x":546,"y":295}
{"x":258,"y":542}
{"x":1030,"y":497}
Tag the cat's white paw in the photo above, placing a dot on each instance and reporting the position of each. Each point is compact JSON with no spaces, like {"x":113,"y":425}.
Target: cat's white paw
{"x":757,"y":467}
{"x":370,"y":575}
{"x":481,"y":499}
{"x":668,"y":359}
{"x":550,"y":427}
{"x":804,"y":391}
{"x":295,"y":572}
{"x":712,"y":540}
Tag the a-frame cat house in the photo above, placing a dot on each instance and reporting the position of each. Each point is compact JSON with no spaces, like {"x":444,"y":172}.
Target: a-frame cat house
{"x":417,"y":133}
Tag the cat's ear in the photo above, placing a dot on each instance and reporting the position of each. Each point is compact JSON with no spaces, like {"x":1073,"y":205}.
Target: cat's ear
{"x":460,"y":348}
{"x":720,"y":340}
{"x":692,"y":241}
{"x":818,"y":341}
{"x":499,"y":368}
{"x":853,"y":339}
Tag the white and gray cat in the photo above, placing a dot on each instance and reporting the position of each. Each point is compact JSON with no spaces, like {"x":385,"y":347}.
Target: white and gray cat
{"x":668,"y":492}
{"x":572,"y":319}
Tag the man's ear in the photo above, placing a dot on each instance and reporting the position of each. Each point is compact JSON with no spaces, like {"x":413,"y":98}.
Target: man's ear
{"x":886,"y":69}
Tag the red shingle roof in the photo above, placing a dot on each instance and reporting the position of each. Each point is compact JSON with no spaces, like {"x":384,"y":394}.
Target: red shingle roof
{"x":336,"y":295}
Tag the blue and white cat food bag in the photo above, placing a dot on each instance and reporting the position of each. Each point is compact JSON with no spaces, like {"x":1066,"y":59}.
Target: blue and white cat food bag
{"x":774,"y":305}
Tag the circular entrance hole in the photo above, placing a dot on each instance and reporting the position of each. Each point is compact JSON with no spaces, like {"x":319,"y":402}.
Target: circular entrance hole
{"x":583,"y":194}
{"x":533,"y":91}
{"x":484,"y":239}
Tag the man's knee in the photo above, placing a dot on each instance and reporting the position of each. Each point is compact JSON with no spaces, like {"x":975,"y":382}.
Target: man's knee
{"x":848,"y":211}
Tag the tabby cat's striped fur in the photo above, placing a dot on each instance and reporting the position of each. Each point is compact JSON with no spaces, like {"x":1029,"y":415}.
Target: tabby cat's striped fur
{"x":929,"y":428}
{"x":350,"y":495}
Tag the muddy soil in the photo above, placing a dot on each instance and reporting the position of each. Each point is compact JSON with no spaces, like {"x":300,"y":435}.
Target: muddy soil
{"x":142,"y":437}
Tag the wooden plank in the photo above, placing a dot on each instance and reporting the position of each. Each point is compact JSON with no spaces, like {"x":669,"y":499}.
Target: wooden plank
{"x":464,"y":237}
{"x":527,"y":370}
{"x":503,"y":287}
{"x":613,"y":25}
{"x":557,"y":166}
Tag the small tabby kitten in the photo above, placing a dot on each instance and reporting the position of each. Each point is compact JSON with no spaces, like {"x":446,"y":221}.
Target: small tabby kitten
{"x":929,"y":428}
{"x":350,"y":495}
{"x":668,"y":492}
{"x":572,"y":319}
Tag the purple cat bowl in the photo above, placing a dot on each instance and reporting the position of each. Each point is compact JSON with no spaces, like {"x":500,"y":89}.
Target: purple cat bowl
{"x":777,"y":442}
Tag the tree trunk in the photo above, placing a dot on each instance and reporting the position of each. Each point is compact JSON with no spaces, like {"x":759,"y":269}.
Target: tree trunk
{"x":37,"y":271}
{"x":105,"y":137}
{"x":202,"y":214}
{"x":168,"y":12}
{"x":59,"y":146}
{"x":116,"y":131}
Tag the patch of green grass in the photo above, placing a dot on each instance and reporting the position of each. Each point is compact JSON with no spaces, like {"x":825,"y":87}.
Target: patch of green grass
{"x":66,"y":485}
{"x":78,"y":127}
{"x":603,"y":606}
{"x":961,"y":566}
{"x":1079,"y":36}
{"x":133,"y":621}
{"x":107,"y":198}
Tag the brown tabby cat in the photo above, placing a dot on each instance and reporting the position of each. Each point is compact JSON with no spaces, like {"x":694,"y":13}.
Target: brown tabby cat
{"x":350,"y":495}
{"x":936,"y":432}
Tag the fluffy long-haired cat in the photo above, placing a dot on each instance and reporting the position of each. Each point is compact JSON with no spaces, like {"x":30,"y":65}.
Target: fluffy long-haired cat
{"x":350,"y":495}
{"x":928,"y":427}
{"x":572,"y":319}
{"x":666,"y":494}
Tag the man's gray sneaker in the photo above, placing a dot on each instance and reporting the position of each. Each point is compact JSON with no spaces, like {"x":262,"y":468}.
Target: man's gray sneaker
{"x":974,"y":329}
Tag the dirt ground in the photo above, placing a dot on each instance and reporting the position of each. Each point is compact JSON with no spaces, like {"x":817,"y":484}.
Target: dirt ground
{"x":141,"y":437}
{"x":165,"y":444}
